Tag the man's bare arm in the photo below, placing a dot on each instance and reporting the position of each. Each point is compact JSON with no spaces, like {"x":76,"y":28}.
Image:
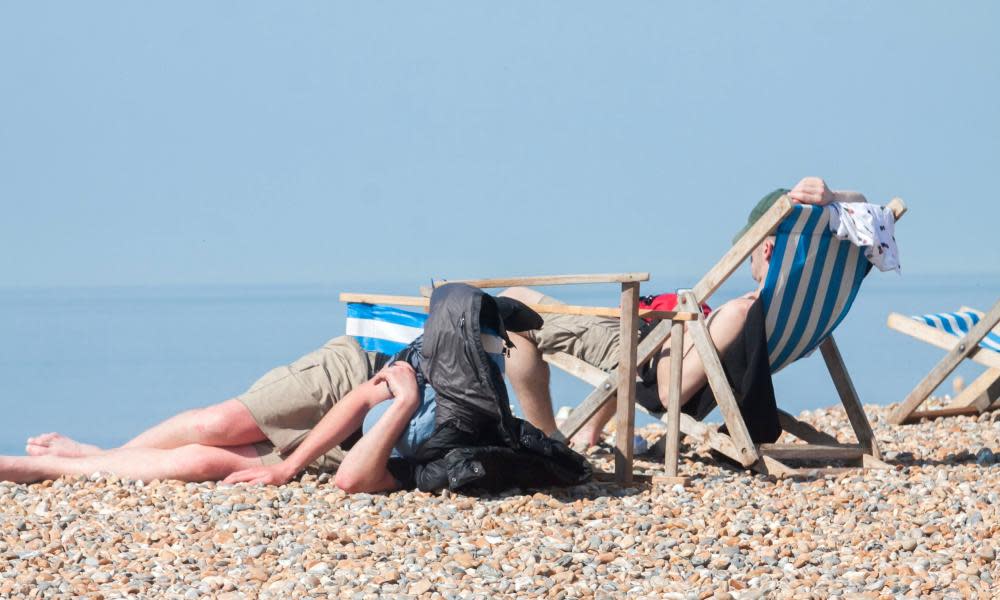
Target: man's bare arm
{"x":343,"y":419}
{"x":813,"y":190}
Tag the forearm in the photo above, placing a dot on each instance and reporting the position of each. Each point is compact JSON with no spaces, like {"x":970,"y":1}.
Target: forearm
{"x":342,"y":420}
{"x":365,"y":466}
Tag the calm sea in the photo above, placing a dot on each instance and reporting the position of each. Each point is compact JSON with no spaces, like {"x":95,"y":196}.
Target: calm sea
{"x":101,"y":364}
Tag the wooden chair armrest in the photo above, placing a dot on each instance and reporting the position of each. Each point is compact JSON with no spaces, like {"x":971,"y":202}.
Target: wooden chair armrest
{"x":562,"y":309}
{"x":501,"y":282}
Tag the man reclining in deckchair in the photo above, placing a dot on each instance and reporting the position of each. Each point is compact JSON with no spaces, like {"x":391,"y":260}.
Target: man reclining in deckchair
{"x":595,"y":339}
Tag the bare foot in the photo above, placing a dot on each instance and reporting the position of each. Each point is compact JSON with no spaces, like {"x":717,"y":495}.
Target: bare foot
{"x":19,"y":469}
{"x":584,"y":439}
{"x":56,"y":444}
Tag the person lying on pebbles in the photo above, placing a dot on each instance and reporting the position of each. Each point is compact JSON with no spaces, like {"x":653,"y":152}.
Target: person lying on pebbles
{"x":302,"y":416}
{"x":595,"y":340}
{"x":296,"y":417}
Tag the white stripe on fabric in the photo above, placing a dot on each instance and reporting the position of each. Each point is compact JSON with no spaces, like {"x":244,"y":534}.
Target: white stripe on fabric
{"x":784,"y":261}
{"x":383,"y":330}
{"x":800,"y":299}
{"x":960,"y":324}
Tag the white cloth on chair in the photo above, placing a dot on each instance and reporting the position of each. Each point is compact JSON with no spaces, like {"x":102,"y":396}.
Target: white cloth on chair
{"x":868,"y":226}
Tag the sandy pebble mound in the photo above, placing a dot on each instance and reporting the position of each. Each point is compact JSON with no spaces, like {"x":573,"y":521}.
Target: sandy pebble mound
{"x":927,"y":528}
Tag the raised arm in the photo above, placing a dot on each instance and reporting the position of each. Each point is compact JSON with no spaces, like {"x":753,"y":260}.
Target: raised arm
{"x":813,"y":190}
{"x":344,"y":418}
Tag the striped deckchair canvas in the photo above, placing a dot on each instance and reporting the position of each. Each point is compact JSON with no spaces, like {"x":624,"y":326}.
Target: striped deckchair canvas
{"x":380,"y":328}
{"x":387,"y":329}
{"x":965,"y":334}
{"x":959,"y":324}
{"x":812,"y":281}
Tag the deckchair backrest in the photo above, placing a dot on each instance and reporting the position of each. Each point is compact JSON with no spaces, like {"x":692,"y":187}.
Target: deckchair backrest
{"x":958,"y":324}
{"x":387,"y":329}
{"x":380,"y":328}
{"x":811,"y":283}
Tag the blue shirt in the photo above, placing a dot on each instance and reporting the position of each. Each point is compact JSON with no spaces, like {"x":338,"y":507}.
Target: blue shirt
{"x":421,"y":425}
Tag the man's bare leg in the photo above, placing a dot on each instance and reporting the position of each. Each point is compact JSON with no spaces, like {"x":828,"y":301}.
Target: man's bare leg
{"x":724,"y":327}
{"x":226,"y":424}
{"x":193,"y":462}
{"x":528,"y":373}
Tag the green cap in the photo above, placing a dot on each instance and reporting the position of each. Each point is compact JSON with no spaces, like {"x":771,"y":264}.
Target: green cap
{"x":758,"y":211}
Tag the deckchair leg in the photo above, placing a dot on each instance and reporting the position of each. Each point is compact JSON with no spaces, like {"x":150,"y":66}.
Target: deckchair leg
{"x":672,"y":448}
{"x":718,"y":382}
{"x":849,"y":397}
{"x":959,"y":352}
{"x":981,"y":393}
{"x":625,"y":415}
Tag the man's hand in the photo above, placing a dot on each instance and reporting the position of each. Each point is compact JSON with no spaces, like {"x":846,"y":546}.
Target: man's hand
{"x":278,"y":474}
{"x":811,"y":190}
{"x":401,"y":380}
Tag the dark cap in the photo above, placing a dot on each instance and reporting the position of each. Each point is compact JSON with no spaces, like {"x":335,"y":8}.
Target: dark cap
{"x":758,"y":211}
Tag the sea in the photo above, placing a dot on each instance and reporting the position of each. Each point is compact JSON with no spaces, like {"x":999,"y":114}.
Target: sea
{"x":101,"y":364}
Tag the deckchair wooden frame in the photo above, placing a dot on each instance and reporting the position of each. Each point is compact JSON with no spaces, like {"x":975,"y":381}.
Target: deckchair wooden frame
{"x":621,"y":384}
{"x":737,"y":445}
{"x":982,"y":395}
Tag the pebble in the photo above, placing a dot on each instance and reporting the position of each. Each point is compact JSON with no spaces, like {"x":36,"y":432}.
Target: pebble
{"x":925,"y":528}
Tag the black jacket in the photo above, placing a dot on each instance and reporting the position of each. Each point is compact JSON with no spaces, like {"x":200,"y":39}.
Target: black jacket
{"x":477,"y":443}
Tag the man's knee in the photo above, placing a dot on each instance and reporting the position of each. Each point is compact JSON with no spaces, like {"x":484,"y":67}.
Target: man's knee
{"x":221,"y":422}
{"x":200,"y":463}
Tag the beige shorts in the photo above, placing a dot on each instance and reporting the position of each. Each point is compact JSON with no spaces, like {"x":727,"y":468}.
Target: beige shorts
{"x":593,"y":340}
{"x":289,"y":401}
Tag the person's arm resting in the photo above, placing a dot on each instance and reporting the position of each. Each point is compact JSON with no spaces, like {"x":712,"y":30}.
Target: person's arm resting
{"x":343,"y":419}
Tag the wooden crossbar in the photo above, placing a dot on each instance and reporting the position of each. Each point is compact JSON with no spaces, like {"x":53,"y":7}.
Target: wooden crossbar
{"x":535,"y":280}
{"x":561,"y":309}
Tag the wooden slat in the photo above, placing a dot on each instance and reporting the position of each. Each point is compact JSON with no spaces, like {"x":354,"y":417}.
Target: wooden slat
{"x":560,"y":309}
{"x":625,"y":413}
{"x":804,"y":431}
{"x":590,"y":405}
{"x":672,"y":448}
{"x":961,"y":349}
{"x":811,"y":451}
{"x":577,"y":368}
{"x":719,"y":442}
{"x":718,"y":382}
{"x":941,"y":339}
{"x":938,"y":413}
{"x":500,"y":282}
{"x":981,"y":392}
{"x":849,"y":397}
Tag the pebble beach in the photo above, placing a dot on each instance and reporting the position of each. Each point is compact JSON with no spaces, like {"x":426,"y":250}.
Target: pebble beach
{"x":927,"y":528}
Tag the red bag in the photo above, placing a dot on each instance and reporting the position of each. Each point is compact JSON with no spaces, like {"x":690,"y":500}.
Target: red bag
{"x":665,"y":302}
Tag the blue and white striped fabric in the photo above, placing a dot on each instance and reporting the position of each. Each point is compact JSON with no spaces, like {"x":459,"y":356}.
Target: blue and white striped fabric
{"x":383,"y":328}
{"x":958,"y":324}
{"x":812,"y":280}
{"x":386,"y":329}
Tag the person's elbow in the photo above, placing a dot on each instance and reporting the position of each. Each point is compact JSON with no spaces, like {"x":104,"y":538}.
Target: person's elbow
{"x":351,"y":481}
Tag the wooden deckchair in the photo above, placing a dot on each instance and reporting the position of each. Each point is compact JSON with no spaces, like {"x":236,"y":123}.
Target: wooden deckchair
{"x":628,"y":311}
{"x":812,"y":281}
{"x":965,"y":334}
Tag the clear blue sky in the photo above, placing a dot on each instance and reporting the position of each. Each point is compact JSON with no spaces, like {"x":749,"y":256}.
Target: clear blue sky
{"x":200,"y":142}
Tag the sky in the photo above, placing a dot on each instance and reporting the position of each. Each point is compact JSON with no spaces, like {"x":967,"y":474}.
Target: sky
{"x":320,"y":142}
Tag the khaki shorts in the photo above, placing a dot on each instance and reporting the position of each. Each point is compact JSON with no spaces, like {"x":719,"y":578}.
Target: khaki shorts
{"x":289,"y":401}
{"x":594,"y":340}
